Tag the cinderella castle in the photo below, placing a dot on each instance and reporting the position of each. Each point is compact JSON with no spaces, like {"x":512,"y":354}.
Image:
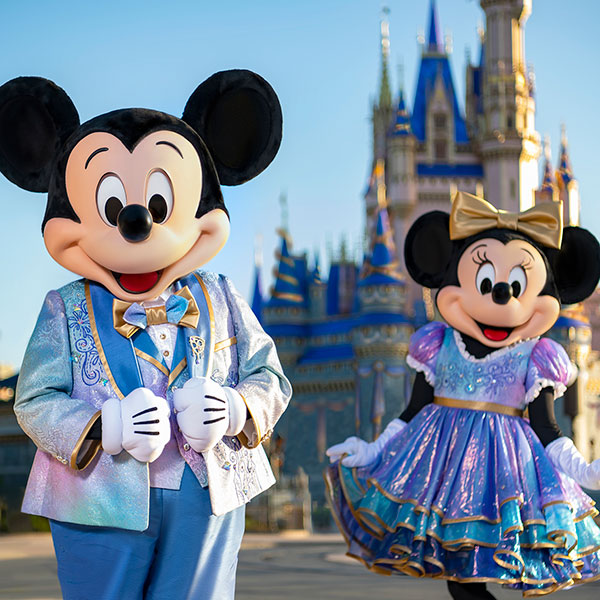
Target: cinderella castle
{"x":343,"y":338}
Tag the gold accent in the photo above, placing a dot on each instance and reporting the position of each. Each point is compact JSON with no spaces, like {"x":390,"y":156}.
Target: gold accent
{"x":211,"y":317}
{"x":242,"y":436}
{"x":156,"y":315}
{"x":474,"y":405}
{"x":175,"y":372}
{"x":109,"y":375}
{"x":152,"y":361}
{"x":225,"y":343}
{"x":470,"y":215}
{"x":91,"y":450}
{"x":287,"y":278}
{"x":288,"y":296}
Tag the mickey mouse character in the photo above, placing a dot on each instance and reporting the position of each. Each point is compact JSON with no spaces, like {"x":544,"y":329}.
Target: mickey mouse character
{"x":148,"y":386}
{"x":462,"y":487}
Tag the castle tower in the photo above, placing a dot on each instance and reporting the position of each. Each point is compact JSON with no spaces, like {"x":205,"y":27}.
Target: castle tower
{"x":401,"y":165}
{"x":509,"y":144}
{"x":568,"y":188}
{"x":286,"y":312}
{"x":381,"y":334}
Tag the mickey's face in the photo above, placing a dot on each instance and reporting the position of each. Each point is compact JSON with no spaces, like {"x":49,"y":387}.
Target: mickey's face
{"x":498,"y":298}
{"x":138,"y":231}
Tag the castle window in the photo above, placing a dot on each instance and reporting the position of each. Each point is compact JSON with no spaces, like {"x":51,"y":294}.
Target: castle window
{"x":440,"y":149}
{"x":509,"y":122}
{"x":439,"y":122}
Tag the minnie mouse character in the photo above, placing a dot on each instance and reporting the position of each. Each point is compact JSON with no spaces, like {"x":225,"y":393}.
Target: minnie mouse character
{"x":148,"y":386}
{"x":462,"y":487}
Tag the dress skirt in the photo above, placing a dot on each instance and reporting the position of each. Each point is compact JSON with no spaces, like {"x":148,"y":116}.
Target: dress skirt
{"x":470,"y":496}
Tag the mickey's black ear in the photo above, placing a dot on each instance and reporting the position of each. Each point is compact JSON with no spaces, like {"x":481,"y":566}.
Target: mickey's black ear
{"x":576,"y":265}
{"x":427,"y":248}
{"x":238,"y":116}
{"x":36,"y":118}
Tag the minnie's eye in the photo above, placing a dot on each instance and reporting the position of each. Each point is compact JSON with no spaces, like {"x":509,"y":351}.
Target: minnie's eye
{"x":110,"y":199}
{"x":517,"y":281}
{"x":485,"y":279}
{"x":159,"y":197}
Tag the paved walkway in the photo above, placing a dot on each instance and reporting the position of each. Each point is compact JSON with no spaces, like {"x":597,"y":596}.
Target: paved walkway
{"x":294,"y":567}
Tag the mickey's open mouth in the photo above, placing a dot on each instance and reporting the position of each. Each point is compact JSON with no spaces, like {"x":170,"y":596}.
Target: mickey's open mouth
{"x":137,"y":283}
{"x":495,"y":334}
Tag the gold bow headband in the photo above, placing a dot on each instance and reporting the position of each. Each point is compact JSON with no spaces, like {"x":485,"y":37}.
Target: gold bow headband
{"x":471,"y":215}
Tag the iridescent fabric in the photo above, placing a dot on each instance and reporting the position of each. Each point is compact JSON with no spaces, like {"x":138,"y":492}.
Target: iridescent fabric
{"x":467,"y":494}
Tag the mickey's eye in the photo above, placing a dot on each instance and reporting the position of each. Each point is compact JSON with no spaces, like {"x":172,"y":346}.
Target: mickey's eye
{"x":517,"y":281}
{"x":110,"y":199}
{"x":486,"y":277}
{"x":159,"y":196}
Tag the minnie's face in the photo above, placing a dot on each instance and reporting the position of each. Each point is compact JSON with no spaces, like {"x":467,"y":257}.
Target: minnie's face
{"x":498,"y":298}
{"x":138,"y":231}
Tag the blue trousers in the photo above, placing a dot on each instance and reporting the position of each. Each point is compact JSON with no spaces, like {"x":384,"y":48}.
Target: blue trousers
{"x":185,"y":554}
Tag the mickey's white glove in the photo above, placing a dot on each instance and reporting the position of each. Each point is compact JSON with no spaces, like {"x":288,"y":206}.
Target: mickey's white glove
{"x":139,"y":424}
{"x":566,"y":458}
{"x":360,"y":453}
{"x":206,"y":412}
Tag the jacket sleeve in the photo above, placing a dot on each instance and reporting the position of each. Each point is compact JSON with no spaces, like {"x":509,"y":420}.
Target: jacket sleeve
{"x":56,"y":422}
{"x":261,"y":382}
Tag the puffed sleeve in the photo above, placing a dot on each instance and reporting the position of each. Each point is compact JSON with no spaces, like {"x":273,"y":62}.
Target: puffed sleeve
{"x":424,"y":348}
{"x":262,"y":384}
{"x":549,"y":366}
{"x":56,"y":422}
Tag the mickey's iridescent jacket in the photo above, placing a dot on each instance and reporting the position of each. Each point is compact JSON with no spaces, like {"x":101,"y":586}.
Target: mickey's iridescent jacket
{"x":76,"y":360}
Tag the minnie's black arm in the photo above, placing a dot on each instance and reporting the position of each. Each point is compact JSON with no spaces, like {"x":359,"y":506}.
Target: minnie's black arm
{"x":542,"y":417}
{"x":421,"y":396}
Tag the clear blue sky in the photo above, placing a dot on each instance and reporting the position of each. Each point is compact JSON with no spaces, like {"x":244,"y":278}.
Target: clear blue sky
{"x":322,"y":58}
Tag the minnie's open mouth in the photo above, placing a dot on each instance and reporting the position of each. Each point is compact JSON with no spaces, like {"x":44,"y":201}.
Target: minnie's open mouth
{"x":137,"y":283}
{"x":495,"y":334}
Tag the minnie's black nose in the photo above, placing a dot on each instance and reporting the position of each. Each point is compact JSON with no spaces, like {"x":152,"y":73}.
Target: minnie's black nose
{"x":501,"y":293}
{"x":134,"y":223}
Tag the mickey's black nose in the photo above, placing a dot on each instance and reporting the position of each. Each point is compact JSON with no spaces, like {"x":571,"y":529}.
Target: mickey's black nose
{"x":134,"y":222}
{"x":501,"y":293}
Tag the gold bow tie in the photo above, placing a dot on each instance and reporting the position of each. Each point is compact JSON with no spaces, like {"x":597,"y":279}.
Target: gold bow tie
{"x":470,"y":215}
{"x":155,"y":315}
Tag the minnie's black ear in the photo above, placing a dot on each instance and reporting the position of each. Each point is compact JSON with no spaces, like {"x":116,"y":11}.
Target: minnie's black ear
{"x":427,"y":248}
{"x":576,"y":266}
{"x":36,"y":118}
{"x":238,"y":116}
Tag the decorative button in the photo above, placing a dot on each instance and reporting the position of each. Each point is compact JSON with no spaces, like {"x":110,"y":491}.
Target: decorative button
{"x":166,"y":353}
{"x":186,"y":447}
{"x":163,"y":336}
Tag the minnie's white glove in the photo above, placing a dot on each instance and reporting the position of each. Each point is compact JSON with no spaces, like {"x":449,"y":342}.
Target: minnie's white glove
{"x":566,"y":458}
{"x":139,"y":424}
{"x":361,"y":453}
{"x":206,"y":412}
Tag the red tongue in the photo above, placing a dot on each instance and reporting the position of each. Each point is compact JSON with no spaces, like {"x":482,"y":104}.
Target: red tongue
{"x":496,"y":335}
{"x":138,"y":282}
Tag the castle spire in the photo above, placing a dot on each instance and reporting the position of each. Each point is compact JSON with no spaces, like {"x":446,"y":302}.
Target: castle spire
{"x":385,"y":93}
{"x":287,"y":289}
{"x":257,"y":295}
{"x":548,"y":182}
{"x":381,"y":266}
{"x":434,"y":38}
{"x":565,"y":173}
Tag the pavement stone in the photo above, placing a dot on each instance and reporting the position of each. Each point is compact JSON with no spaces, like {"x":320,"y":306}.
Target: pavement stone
{"x":294,"y":566}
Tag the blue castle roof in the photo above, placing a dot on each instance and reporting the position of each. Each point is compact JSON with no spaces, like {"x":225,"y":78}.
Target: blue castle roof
{"x":290,"y":278}
{"x":402,"y":123}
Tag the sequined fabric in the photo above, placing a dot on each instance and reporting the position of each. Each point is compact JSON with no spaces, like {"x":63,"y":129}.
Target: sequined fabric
{"x":63,"y":384}
{"x":467,"y":494}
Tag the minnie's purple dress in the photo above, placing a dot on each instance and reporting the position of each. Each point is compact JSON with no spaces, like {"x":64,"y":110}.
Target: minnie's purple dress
{"x":466,"y":491}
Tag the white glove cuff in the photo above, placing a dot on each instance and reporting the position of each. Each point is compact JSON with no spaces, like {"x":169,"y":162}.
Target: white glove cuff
{"x":112,"y":426}
{"x":237,"y":411}
{"x":389,"y":432}
{"x":565,"y":456}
